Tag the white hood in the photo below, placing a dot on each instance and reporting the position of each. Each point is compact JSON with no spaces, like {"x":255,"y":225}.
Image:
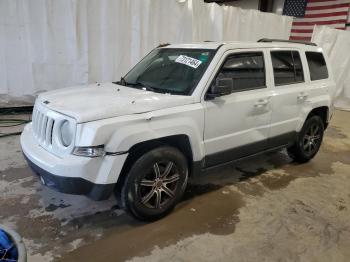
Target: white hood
{"x":94,"y":102}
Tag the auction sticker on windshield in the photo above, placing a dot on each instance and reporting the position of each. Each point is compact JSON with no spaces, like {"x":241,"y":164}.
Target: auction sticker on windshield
{"x":186,"y":60}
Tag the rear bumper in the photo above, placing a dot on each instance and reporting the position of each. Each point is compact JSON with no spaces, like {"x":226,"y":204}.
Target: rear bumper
{"x":93,"y":177}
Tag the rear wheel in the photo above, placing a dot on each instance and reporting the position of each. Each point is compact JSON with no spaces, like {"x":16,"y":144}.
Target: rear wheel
{"x":309,"y":140}
{"x":155,"y":183}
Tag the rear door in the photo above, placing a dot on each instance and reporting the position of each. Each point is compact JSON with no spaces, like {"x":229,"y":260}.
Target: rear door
{"x":237,"y":125}
{"x":289,"y":95}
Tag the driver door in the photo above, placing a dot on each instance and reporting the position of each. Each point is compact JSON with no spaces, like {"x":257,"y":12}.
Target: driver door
{"x":237,"y":124}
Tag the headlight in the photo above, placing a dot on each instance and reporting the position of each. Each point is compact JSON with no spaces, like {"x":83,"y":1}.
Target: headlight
{"x":89,"y":151}
{"x":66,"y":133}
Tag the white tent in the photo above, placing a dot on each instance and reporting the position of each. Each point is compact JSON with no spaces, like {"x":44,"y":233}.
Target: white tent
{"x":48,"y":44}
{"x":336,"y":44}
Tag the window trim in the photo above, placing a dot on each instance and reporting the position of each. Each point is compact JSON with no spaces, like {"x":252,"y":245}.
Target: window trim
{"x":224,"y":61}
{"x":308,"y":66}
{"x":302,"y":67}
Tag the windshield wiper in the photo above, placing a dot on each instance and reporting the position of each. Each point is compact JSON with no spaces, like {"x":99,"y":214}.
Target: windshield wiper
{"x":142,"y":85}
{"x":138,"y":84}
{"x":122,"y":82}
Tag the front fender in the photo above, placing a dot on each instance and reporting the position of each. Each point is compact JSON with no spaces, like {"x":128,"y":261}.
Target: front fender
{"x":120,"y":134}
{"x":126,"y":137}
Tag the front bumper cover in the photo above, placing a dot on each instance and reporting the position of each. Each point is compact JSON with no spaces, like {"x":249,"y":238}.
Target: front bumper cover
{"x":72,"y":185}
{"x":93,"y":177}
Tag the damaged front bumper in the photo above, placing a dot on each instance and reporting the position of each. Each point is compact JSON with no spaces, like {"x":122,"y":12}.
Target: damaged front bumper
{"x":93,"y":177}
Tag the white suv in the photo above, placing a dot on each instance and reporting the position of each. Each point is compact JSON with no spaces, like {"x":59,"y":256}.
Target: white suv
{"x":182,"y":109}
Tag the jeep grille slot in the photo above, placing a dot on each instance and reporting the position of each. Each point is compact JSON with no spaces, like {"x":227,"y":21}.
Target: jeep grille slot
{"x":48,"y":134}
{"x":42,"y":127}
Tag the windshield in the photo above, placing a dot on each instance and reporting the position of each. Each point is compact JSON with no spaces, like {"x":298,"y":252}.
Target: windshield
{"x":169,"y":70}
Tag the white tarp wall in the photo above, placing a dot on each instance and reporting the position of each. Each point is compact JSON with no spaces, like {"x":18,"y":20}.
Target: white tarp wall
{"x":49,"y":44}
{"x":336,"y":44}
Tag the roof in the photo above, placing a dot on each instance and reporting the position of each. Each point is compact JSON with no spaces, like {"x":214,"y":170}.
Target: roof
{"x":245,"y":44}
{"x":199,"y":45}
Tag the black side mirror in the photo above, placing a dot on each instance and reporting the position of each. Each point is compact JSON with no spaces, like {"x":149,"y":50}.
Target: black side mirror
{"x":222,"y":86}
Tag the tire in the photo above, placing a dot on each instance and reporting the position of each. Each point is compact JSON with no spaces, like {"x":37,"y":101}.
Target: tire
{"x":154,"y":184}
{"x":308,"y":141}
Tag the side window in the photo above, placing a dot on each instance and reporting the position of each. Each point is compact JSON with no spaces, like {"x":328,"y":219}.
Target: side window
{"x":317,"y":65}
{"x":246,"y":69}
{"x":287,"y":67}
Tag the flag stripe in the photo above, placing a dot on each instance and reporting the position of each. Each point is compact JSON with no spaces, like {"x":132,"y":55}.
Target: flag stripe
{"x":321,"y":1}
{"x":324,"y":3}
{"x":344,"y":13}
{"x":319,"y":8}
{"x":302,"y":31}
{"x":322,"y":19}
{"x":343,"y":9}
{"x":347,"y":25}
{"x":303,"y":34}
{"x":312,"y":26}
{"x":342,"y":21}
{"x":300,"y":38}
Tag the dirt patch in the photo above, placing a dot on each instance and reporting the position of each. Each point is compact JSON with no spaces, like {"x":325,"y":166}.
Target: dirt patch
{"x":189,"y":218}
{"x":305,"y":221}
{"x":15,"y":174}
{"x":276,"y":179}
{"x":335,"y":132}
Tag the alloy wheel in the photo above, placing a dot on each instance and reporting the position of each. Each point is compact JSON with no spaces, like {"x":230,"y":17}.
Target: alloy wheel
{"x":312,"y":139}
{"x":157,"y":188}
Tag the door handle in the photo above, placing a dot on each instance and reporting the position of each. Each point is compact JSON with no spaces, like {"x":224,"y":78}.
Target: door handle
{"x":261,"y":103}
{"x":303,"y":95}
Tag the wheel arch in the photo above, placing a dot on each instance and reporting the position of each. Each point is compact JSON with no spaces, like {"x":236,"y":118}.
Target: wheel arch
{"x":322,"y":112}
{"x":180,"y":142}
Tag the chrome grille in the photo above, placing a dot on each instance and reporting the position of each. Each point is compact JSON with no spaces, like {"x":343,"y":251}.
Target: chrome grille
{"x":42,"y":127}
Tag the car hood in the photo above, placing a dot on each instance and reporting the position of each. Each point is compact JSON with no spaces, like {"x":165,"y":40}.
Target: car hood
{"x":100,"y":101}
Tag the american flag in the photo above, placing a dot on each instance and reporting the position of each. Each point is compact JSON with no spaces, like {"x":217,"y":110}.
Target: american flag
{"x":308,"y":13}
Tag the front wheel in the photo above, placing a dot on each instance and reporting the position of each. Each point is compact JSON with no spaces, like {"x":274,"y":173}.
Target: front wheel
{"x":308,"y":141}
{"x":154,"y":184}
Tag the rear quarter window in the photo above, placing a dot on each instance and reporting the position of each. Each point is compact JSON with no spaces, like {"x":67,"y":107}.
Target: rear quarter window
{"x":317,"y":65}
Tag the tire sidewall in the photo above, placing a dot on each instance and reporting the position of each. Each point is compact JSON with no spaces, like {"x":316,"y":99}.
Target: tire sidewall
{"x":130,"y":188}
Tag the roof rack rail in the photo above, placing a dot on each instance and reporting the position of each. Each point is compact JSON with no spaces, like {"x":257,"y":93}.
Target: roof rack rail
{"x":267,"y":40}
{"x":163,"y":45}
